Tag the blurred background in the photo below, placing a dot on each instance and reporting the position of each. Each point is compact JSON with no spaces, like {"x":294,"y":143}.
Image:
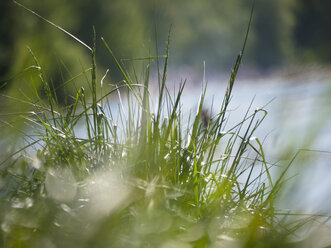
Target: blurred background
{"x":287,"y":59}
{"x":284,"y":32}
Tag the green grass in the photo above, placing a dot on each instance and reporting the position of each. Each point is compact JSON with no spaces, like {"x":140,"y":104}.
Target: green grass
{"x":140,"y":175}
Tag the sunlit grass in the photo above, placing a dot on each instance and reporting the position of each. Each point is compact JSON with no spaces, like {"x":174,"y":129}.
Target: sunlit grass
{"x":92,"y":174}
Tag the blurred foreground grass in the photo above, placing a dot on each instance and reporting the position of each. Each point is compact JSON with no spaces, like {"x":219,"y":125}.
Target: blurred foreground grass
{"x":91,"y":173}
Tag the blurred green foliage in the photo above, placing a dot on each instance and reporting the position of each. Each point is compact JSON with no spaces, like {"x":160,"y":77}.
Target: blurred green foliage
{"x":273,"y":26}
{"x":283,"y":31}
{"x":312,"y":32}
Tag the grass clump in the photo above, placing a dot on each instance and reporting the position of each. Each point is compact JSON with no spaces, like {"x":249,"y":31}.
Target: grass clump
{"x":137,"y":175}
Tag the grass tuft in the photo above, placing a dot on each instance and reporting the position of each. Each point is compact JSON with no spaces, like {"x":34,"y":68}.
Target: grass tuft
{"x":94,"y":174}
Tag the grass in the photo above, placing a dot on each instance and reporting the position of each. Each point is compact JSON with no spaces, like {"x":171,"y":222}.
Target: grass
{"x":92,"y":174}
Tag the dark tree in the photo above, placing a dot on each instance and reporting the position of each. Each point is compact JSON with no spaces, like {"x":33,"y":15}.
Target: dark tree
{"x":7,"y":24}
{"x":312,"y":32}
